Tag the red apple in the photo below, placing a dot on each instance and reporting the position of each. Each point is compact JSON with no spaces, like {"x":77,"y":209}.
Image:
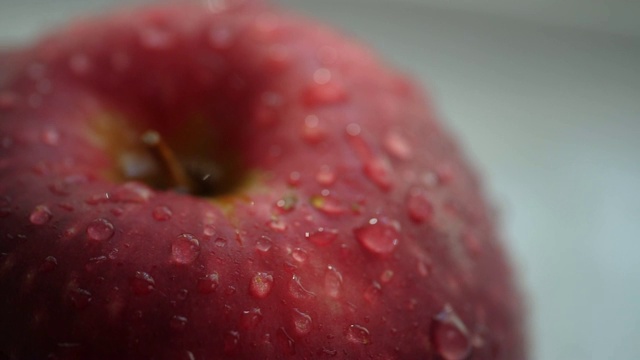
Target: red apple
{"x":235,"y":182}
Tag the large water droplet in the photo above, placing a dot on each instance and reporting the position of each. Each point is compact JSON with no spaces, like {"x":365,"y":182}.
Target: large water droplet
{"x":358,"y":334}
{"x":40,"y":215}
{"x":322,"y":236}
{"x":297,"y":290}
{"x":380,"y":172}
{"x":263,"y":244}
{"x":142,"y":283}
{"x":449,"y":335}
{"x":80,"y":298}
{"x":178,"y":323}
{"x":100,"y":230}
{"x":377,"y":237}
{"x":185,"y":249}
{"x":419,"y":206}
{"x":261,"y":285}
{"x":333,"y":282}
{"x":301,"y":322}
{"x":162,"y":213}
{"x":208,"y":284}
{"x":251,"y":318}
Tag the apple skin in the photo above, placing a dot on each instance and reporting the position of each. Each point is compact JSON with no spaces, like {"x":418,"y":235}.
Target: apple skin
{"x":353,"y":227}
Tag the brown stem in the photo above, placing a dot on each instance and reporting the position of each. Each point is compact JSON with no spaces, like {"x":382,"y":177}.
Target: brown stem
{"x":168,"y":160}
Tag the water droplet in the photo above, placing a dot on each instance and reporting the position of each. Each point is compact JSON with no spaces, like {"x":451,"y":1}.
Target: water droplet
{"x":96,"y":199}
{"x":358,"y":335}
{"x":178,"y":323}
{"x":142,"y":283}
{"x":220,"y":242}
{"x":40,"y":215}
{"x":277,"y":225}
{"x":324,"y":94}
{"x":377,"y":237}
{"x":326,"y":176}
{"x":419,"y":206}
{"x":449,"y":335}
{"x":185,"y":249}
{"x":379,"y":171}
{"x":50,"y":137}
{"x":327,"y":204}
{"x":80,"y":64}
{"x":132,"y":192}
{"x":300,"y":255}
{"x":297,"y":290}
{"x":353,"y":129}
{"x":423,"y":269}
{"x":333,"y":282}
{"x":373,"y":291}
{"x":287,"y":203}
{"x":208,"y":284}
{"x":261,"y":285}
{"x":263,"y":244}
{"x":80,"y":298}
{"x":100,"y":230}
{"x":397,"y":146}
{"x":312,"y":132}
{"x":231,"y":342}
{"x":322,"y":236}
{"x":286,"y":342}
{"x":66,"y":185}
{"x":162,"y":213}
{"x":221,"y":38}
{"x":294,"y":178}
{"x":251,"y":318}
{"x":301,"y":322}
{"x":386,"y":276}
{"x":49,"y":264}
{"x":209,"y":230}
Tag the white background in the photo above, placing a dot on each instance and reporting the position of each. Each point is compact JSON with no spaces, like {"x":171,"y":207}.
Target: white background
{"x":545,"y":97}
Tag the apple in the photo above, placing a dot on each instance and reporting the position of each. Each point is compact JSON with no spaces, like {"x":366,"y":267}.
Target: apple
{"x":232,"y":181}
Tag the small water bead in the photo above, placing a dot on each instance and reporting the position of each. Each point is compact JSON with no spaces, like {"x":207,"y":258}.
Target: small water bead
{"x":251,"y":318}
{"x":327,"y":204}
{"x":40,"y":215}
{"x":449,"y":335}
{"x":378,"y":238}
{"x":208,"y":284}
{"x":287,"y":203}
{"x":373,"y":291}
{"x":419,"y":206}
{"x":220,"y":242}
{"x":423,"y":269}
{"x":100,"y":230}
{"x":358,"y":334}
{"x":261,"y":285}
{"x":322,"y":237}
{"x":330,"y":93}
{"x":386,"y":276}
{"x":185,"y":249}
{"x":297,"y":290}
{"x":380,"y":172}
{"x":178,"y":323}
{"x":80,"y":298}
{"x":263,"y":244}
{"x":49,"y":264}
{"x":326,"y":176}
{"x":162,"y":213}
{"x":142,"y":283}
{"x":300,"y":255}
{"x":397,"y":146}
{"x":312,"y":132}
{"x":333,"y":282}
{"x":301,"y":322}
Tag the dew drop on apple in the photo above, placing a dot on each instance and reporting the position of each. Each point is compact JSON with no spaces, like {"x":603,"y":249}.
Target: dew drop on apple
{"x":423,"y":269}
{"x":185,"y":249}
{"x":327,"y":204}
{"x":132,"y":192}
{"x":397,"y":146}
{"x":333,"y":282}
{"x":220,"y":242}
{"x":380,"y":172}
{"x":326,"y":176}
{"x":324,"y":94}
{"x":251,"y":318}
{"x":80,"y":298}
{"x":301,"y":322}
{"x":372,"y":292}
{"x":178,"y":323}
{"x":378,"y":238}
{"x":208,"y":284}
{"x":100,"y":230}
{"x":261,"y":285}
{"x":358,"y":334}
{"x":263,"y":244}
{"x":40,"y":215}
{"x":142,"y":283}
{"x":300,"y":255}
{"x":449,"y":335}
{"x":419,"y":206}
{"x":321,"y":237}
{"x":297,"y":290}
{"x":49,"y":264}
{"x":162,"y":213}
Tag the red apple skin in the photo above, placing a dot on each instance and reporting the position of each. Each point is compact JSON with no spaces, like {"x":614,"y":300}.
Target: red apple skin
{"x":363,"y":233}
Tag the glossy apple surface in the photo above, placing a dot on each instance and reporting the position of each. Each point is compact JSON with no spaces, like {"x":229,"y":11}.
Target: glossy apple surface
{"x":325,"y":212}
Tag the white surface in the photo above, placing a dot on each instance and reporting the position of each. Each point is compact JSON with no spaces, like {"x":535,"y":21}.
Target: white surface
{"x":551,"y":114}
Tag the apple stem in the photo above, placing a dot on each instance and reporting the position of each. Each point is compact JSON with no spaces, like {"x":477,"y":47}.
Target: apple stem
{"x":180,"y":181}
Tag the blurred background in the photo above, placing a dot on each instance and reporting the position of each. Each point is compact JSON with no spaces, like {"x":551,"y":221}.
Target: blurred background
{"x":545,"y":97}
